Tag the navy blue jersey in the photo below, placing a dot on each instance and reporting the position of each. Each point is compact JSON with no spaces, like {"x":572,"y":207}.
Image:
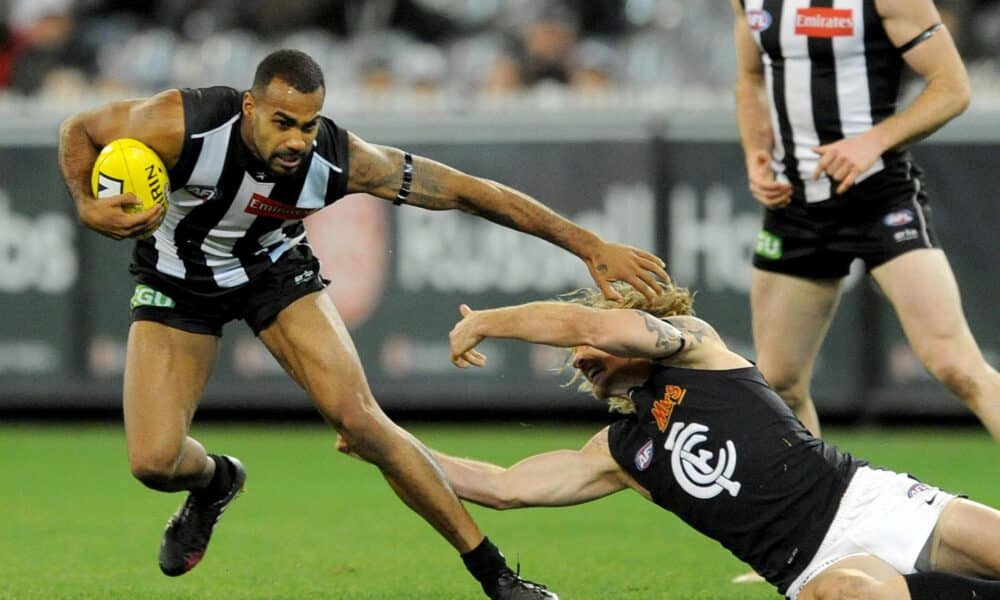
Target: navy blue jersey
{"x":229,"y":217}
{"x":726,"y":454}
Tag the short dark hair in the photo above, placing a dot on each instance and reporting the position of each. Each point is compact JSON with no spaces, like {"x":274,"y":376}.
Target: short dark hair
{"x":294,"y":67}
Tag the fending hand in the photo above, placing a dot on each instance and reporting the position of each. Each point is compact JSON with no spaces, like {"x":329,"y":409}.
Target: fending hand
{"x":618,"y":262}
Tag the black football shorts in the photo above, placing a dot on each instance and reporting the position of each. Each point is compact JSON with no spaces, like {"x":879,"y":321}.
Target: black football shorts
{"x":876,"y":221}
{"x":164,"y":300}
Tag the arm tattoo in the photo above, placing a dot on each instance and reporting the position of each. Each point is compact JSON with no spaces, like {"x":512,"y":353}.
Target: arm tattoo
{"x":366,"y":171}
{"x":695,"y":328}
{"x":427,"y":190}
{"x":667,"y":336}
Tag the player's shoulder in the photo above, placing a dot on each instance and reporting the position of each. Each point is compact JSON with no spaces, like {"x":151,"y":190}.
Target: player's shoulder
{"x":207,"y":108}
{"x":332,"y":142}
{"x":697,"y":328}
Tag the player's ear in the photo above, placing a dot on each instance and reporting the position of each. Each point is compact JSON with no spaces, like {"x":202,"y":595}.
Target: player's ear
{"x":249,"y":103}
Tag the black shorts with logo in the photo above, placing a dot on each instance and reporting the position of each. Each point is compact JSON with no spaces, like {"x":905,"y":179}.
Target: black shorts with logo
{"x":877,"y":220}
{"x":165,"y":300}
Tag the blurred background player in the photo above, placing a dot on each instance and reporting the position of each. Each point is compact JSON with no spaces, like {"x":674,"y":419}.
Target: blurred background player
{"x":705,"y":437}
{"x":245,"y":169}
{"x":825,"y":152}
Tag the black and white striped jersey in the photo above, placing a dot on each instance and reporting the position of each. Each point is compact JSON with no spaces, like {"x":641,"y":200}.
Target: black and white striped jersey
{"x":831,"y":73}
{"x":229,"y":217}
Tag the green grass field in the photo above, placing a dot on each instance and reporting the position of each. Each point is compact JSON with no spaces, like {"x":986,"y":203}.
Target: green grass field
{"x":314,"y":524}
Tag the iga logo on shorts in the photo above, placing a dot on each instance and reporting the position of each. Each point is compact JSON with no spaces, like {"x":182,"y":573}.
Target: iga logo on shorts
{"x":759,"y":20}
{"x":899,"y":218}
{"x":143,"y":295}
{"x":768,"y":245}
{"x":644,"y":457}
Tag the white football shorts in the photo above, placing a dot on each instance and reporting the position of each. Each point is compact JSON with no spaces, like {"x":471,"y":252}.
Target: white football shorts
{"x":884,"y":514}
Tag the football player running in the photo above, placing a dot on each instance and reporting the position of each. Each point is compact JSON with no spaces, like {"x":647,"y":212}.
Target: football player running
{"x":245,"y":168}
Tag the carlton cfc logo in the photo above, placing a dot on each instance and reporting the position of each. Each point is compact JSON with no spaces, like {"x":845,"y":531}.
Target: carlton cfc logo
{"x":759,"y":20}
{"x":693,"y":467}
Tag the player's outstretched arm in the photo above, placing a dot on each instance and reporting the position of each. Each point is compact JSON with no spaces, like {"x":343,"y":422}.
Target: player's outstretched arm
{"x":381,"y":170}
{"x":158,"y":122}
{"x":559,"y":478}
{"x":622,"y":332}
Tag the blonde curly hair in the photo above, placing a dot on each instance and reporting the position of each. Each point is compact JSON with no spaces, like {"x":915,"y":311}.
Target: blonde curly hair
{"x":673,"y":301}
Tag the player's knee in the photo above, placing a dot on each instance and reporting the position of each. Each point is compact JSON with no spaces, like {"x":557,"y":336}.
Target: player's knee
{"x":365,"y":431}
{"x":846,"y":584}
{"x":354,"y":417}
{"x":154,"y":471}
{"x":791,"y":389}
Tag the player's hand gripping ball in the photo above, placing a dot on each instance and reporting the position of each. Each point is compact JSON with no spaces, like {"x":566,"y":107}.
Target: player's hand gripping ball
{"x":128,"y":166}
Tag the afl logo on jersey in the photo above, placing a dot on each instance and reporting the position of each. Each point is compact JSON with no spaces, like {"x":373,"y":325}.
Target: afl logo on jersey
{"x":644,"y":457}
{"x":899,"y":218}
{"x":759,"y":20}
{"x":202,"y":192}
{"x":693,"y":466}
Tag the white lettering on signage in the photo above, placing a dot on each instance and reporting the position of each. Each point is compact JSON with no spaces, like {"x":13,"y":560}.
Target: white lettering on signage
{"x":36,"y":253}
{"x":28,"y":357}
{"x":452,"y":252}
{"x":711,"y":244}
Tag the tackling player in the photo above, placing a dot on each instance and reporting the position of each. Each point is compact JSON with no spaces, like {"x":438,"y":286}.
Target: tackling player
{"x":705,"y":437}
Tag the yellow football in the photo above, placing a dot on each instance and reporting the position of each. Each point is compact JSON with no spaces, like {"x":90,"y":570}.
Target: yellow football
{"x":126,"y":165}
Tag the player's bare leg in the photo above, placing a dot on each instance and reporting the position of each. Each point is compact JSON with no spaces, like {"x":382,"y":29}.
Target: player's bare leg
{"x":859,"y":577}
{"x":922,"y":289}
{"x":966,"y":540}
{"x":165,"y":374}
{"x":963,"y":560}
{"x":312,"y":343}
{"x":791,"y":316}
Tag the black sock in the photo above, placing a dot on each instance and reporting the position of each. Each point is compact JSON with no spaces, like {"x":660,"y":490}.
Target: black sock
{"x":222,"y":480}
{"x":937,"y":585}
{"x":485,"y":562}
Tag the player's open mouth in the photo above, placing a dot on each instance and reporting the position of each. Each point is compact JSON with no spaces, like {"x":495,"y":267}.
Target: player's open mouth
{"x":289,"y":163}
